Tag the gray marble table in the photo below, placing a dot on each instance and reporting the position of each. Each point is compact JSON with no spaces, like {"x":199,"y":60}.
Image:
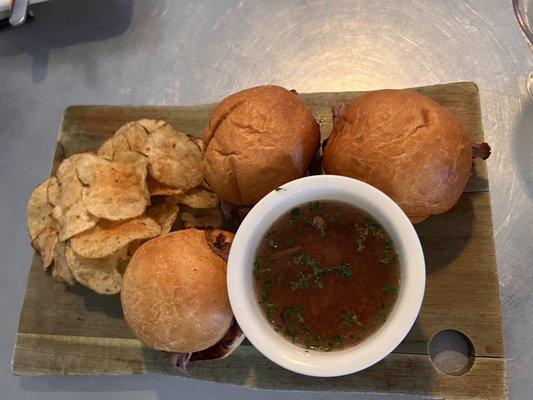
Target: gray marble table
{"x":189,"y":52}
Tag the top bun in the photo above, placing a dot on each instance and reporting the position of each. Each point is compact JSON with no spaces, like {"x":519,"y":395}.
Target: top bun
{"x":257,"y":140}
{"x":406,"y":145}
{"x":174,"y":294}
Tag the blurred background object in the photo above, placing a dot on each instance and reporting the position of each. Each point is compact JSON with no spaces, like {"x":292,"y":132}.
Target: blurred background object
{"x":523,"y":10}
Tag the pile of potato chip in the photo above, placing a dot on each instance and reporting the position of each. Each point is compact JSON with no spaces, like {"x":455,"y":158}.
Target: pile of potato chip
{"x":88,"y":219}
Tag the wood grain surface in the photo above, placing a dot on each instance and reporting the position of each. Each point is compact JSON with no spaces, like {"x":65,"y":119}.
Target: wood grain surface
{"x":73,"y":331}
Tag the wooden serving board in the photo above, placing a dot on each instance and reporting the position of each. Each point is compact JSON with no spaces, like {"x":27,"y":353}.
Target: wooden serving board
{"x":73,"y":331}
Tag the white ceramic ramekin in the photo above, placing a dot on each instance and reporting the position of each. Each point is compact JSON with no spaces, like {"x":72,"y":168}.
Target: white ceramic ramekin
{"x":241,"y":286}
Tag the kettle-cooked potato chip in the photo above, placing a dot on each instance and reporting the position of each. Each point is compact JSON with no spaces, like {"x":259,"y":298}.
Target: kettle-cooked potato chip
{"x":165,"y":212}
{"x":75,"y":220}
{"x":60,"y":271}
{"x":107,"y":237}
{"x":69,"y":210}
{"x":39,"y":211}
{"x":90,"y":218}
{"x":44,"y":243}
{"x":114,"y":190}
{"x":53,"y":190}
{"x":98,"y":274}
{"x":160,"y":189}
{"x":129,"y":137}
{"x":198,"y":198}
{"x":174,"y":159}
{"x":151,"y":124}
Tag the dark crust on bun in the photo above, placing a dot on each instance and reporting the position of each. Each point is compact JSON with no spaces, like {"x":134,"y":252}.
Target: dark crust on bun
{"x":257,"y":140}
{"x":406,"y":145}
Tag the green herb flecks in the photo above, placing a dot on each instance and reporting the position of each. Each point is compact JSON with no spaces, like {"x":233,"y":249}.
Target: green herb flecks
{"x":349,"y":318}
{"x":271,"y":243}
{"x":317,"y":207}
{"x":293,"y":319}
{"x":388,"y":255}
{"x":257,"y":266}
{"x":293,"y":315}
{"x":319,"y":224}
{"x":295,"y":215}
{"x":318,"y":272}
{"x":390,"y":289}
{"x":333,"y":342}
{"x":344,"y":269}
{"x":266,"y":301}
{"x":375,"y":228}
{"x":290,"y":240}
{"x":292,"y":334}
{"x":301,"y":282}
{"x":336,"y":216}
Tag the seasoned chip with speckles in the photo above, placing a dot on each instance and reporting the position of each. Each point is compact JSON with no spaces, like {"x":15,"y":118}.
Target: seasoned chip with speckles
{"x":198,"y":198}
{"x":44,"y":243}
{"x":70,"y":212}
{"x":174,"y":159}
{"x":160,"y":189}
{"x":39,"y":211}
{"x":129,"y":137}
{"x":114,"y":190}
{"x":53,"y":190}
{"x":60,"y":270}
{"x":107,"y":237}
{"x":151,"y":124}
{"x":99,"y":274}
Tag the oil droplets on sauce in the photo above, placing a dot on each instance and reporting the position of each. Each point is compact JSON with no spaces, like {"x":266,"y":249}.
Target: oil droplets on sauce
{"x":326,"y":275}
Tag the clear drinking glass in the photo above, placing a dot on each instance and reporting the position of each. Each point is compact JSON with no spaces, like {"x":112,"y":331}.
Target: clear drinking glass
{"x":523,"y":10}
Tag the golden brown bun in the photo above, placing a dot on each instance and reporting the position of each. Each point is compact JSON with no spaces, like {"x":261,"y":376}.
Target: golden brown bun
{"x":174,"y":293}
{"x":257,"y":140}
{"x":404,"y":144}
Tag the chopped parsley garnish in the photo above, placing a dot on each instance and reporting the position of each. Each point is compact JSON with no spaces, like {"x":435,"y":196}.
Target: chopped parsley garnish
{"x":374,"y":228}
{"x":388,"y":255}
{"x":344,"y":269}
{"x":259,"y":269}
{"x":301,"y":282}
{"x":336,"y":216}
{"x":319,"y":224}
{"x":348,"y":318}
{"x":257,"y":265}
{"x":317,"y":207}
{"x":390,"y":289}
{"x":295,"y":215}
{"x":266,"y":300}
{"x":293,"y":315}
{"x":291,"y":334}
{"x":317,"y":271}
{"x":271,"y":243}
